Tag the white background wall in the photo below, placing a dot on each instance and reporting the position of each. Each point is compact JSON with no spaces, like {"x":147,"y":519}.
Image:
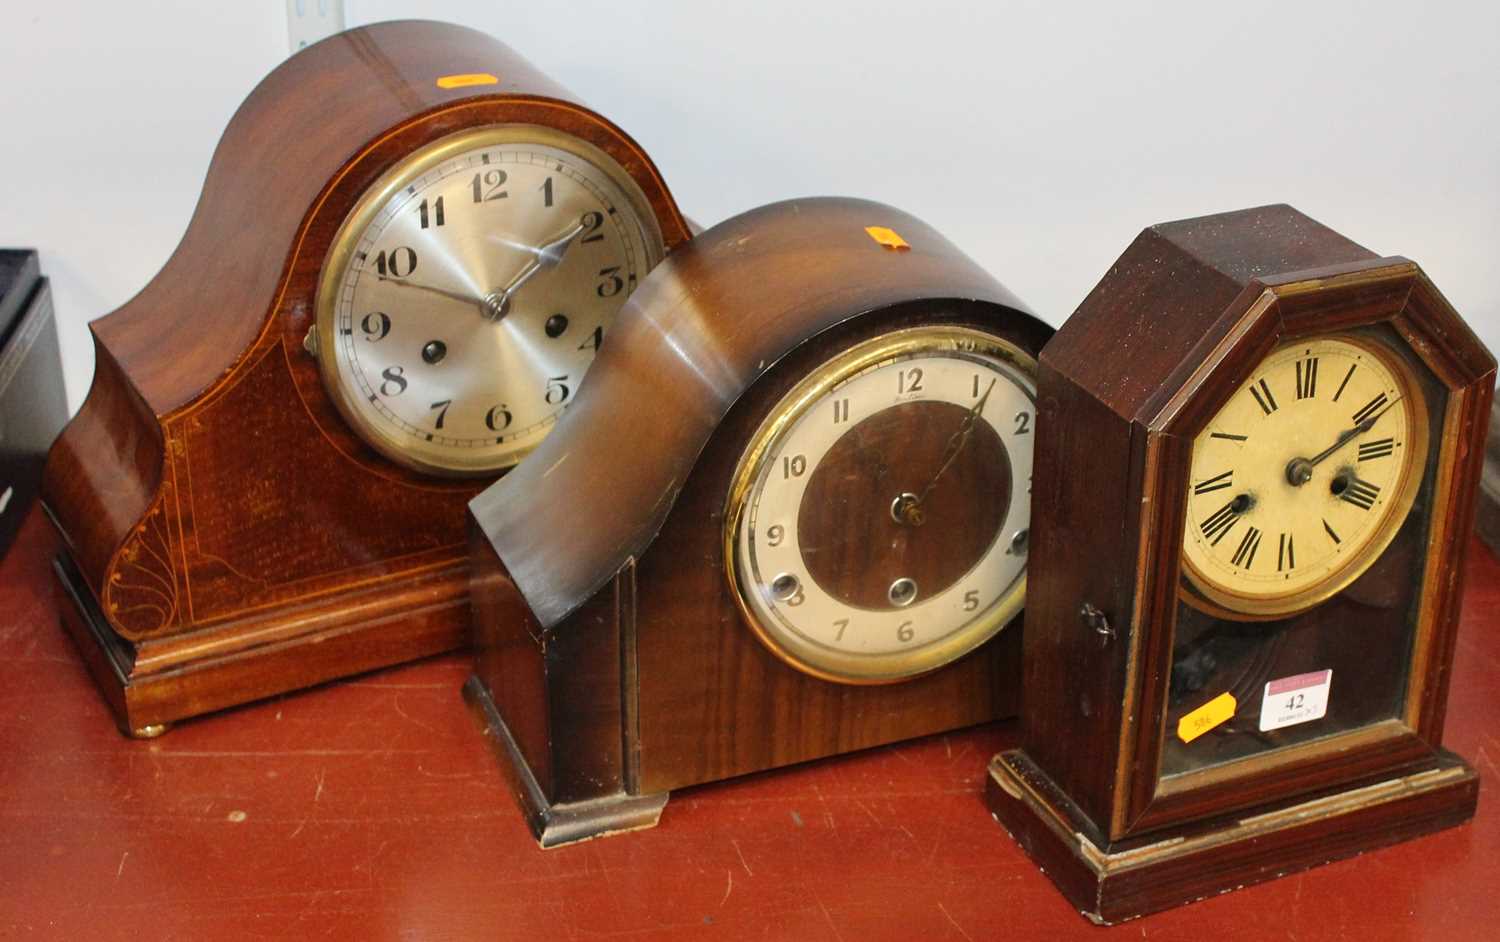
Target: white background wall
{"x":1039,"y":136}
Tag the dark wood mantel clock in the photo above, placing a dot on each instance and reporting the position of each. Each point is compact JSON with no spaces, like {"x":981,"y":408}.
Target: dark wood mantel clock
{"x":408,"y":249}
{"x":804,"y":535}
{"x":1257,"y":453}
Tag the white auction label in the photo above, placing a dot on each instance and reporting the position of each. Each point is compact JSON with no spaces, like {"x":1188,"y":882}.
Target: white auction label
{"x":1293,"y":700}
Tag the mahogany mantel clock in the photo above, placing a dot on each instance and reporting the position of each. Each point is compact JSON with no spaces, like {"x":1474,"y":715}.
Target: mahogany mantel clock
{"x":1246,"y":568}
{"x":409,"y":247}
{"x":803,"y":537}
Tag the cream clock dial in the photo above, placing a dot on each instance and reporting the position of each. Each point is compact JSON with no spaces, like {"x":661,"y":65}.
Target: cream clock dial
{"x":877,"y":526}
{"x":469,"y":290}
{"x":1303,"y":477}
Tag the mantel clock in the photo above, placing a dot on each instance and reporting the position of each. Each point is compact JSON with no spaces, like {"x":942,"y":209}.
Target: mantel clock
{"x":409,"y":247}
{"x":805,"y":536}
{"x":1257,"y":454}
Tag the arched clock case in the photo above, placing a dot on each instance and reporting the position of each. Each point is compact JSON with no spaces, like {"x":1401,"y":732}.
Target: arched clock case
{"x":247,"y":511}
{"x":805,"y":536}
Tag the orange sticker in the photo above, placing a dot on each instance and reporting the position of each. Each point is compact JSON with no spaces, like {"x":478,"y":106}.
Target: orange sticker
{"x":1206,"y":717}
{"x":467,"y":79}
{"x":887,"y":238}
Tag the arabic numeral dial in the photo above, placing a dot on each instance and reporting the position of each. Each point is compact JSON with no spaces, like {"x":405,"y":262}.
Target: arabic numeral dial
{"x":879,"y":505}
{"x":471,"y":288}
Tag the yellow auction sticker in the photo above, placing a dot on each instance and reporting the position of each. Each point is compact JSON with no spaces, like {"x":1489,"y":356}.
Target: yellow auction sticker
{"x":887,"y":238}
{"x":467,"y":79}
{"x":1206,"y":717}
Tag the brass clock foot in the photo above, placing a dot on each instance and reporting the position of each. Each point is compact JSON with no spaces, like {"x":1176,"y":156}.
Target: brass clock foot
{"x":150,"y":730}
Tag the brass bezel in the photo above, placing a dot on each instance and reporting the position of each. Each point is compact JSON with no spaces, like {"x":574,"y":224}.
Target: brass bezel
{"x":866,"y":669}
{"x":1210,"y":597}
{"x":407,"y":451}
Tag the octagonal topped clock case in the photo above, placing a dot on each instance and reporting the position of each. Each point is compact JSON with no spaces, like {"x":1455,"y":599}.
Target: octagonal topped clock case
{"x":1244,"y":673}
{"x":809,"y":536}
{"x":409,"y":247}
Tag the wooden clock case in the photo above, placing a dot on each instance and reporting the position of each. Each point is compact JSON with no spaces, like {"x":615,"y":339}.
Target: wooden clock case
{"x":227,"y":536}
{"x":1192,"y":307}
{"x":612,"y":664}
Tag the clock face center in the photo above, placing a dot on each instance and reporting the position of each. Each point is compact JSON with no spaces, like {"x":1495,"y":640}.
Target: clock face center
{"x":495,"y":305}
{"x":1298,"y":472}
{"x":858,"y":540}
{"x":906,"y":510}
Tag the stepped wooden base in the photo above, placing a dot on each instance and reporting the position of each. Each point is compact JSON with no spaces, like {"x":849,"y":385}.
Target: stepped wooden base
{"x":554,"y":825}
{"x":1175,"y":868}
{"x":152,"y":684}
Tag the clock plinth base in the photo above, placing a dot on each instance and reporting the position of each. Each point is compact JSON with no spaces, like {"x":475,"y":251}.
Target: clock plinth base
{"x":1193,"y":863}
{"x":149,"y":685}
{"x":555,"y":825}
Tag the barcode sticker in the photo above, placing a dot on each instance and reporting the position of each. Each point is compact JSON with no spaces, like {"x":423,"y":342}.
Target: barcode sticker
{"x":1292,"y":700}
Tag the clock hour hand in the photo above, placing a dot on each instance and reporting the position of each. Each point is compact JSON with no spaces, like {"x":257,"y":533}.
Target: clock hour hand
{"x":551,"y":255}
{"x":1299,"y":470}
{"x":907,"y":508}
{"x":543,"y":258}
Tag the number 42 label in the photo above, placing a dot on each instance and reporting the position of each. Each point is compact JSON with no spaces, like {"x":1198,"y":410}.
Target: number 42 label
{"x":1293,"y":700}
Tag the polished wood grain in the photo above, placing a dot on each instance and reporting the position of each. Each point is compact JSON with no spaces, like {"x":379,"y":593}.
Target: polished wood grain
{"x":610,"y":538}
{"x":229,"y":527}
{"x":370,"y":809}
{"x":714,"y":702}
{"x":1196,"y":304}
{"x":1111,"y":887}
{"x":722,"y":314}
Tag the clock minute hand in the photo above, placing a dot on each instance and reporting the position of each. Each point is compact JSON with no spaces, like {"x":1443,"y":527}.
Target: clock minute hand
{"x":1299,"y":471}
{"x":1349,"y":434}
{"x":455,"y":295}
{"x":909,"y":509}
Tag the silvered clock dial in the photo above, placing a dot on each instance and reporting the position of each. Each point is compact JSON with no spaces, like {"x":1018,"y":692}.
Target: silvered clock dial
{"x":469,"y":289}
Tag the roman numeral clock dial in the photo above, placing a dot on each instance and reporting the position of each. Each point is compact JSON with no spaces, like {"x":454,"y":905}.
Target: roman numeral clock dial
{"x":1280,"y":529}
{"x":1302,"y":478}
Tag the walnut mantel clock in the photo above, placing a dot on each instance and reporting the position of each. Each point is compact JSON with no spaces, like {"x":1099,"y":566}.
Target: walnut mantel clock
{"x":805,"y":536}
{"x":1246,"y":565}
{"x":409,"y":247}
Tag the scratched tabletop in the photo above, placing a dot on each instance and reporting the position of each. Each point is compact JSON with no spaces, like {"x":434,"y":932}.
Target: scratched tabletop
{"x":372,"y":809}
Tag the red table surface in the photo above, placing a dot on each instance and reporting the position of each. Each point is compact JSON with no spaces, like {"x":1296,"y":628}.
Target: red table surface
{"x":373,"y":809}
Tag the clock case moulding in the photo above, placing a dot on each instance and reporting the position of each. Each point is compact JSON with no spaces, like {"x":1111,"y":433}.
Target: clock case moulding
{"x":1192,"y":307}
{"x":612,"y":664}
{"x":227,"y":535}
